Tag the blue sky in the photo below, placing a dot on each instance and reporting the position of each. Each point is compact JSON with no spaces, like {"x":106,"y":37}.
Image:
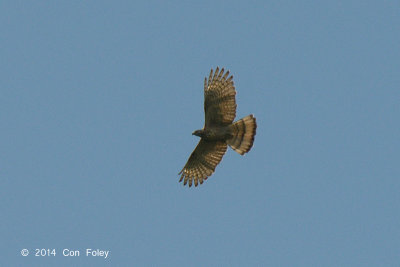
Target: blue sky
{"x":99,"y":99}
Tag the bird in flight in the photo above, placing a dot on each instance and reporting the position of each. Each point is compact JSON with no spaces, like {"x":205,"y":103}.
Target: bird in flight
{"x":219,"y":130}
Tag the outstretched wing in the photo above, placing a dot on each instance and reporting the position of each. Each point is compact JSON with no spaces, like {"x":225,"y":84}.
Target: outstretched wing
{"x":202,"y":161}
{"x":219,"y":99}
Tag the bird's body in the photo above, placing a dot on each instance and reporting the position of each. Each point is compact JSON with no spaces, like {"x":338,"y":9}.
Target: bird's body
{"x":219,"y":131}
{"x":214,"y":133}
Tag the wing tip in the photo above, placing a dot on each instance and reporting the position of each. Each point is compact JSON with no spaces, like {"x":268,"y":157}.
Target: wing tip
{"x":192,"y":180}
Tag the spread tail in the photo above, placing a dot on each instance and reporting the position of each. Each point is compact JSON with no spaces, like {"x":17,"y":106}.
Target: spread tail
{"x":243,"y":132}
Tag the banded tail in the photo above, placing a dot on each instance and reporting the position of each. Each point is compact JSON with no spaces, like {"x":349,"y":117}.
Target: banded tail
{"x":243,"y":132}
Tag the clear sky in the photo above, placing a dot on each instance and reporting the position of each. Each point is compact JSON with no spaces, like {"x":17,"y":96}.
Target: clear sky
{"x":98,"y":100}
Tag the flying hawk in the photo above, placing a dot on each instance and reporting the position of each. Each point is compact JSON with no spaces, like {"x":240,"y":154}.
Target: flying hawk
{"x":219,"y":130}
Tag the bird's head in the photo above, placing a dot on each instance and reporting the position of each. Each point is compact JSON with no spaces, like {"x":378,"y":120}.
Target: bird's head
{"x":198,"y":133}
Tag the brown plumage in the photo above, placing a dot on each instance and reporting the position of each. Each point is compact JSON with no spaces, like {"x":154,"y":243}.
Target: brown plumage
{"x":219,"y":131}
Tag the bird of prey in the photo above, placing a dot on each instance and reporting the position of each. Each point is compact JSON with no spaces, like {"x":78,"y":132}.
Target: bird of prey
{"x":219,"y":130}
